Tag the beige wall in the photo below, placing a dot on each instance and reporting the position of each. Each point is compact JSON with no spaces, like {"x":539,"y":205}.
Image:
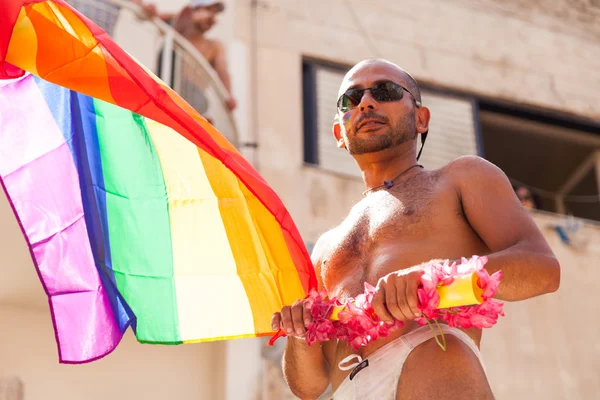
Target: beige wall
{"x":547,"y":347}
{"x":544,"y":55}
{"x":132,"y":371}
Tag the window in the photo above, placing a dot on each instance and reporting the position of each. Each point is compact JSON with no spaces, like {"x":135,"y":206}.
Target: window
{"x":558,"y":160}
{"x":452,"y":130}
{"x":320,"y":87}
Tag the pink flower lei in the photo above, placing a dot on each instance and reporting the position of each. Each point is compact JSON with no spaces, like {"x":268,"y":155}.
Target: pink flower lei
{"x":358,"y":324}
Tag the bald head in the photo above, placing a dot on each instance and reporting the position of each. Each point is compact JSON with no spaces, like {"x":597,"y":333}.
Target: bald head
{"x":382,"y":117}
{"x":386,"y":70}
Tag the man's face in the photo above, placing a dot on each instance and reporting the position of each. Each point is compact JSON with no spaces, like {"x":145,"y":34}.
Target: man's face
{"x":373,"y":126}
{"x":204,"y":17}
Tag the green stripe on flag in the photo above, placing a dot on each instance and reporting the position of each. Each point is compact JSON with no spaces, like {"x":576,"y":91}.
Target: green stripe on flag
{"x":138,"y":222}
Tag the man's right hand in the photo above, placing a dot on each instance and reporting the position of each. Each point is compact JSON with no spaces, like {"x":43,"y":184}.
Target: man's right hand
{"x":231,"y":103}
{"x":149,"y":9}
{"x":292,"y":319}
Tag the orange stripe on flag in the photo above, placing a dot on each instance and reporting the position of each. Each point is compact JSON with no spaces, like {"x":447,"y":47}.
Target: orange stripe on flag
{"x":77,"y":62}
{"x":23,"y":45}
{"x":257,"y":243}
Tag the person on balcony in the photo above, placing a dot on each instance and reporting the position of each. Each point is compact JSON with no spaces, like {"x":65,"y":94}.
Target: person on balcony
{"x":193,"y":22}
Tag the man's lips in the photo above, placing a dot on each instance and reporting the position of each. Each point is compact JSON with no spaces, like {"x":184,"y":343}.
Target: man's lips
{"x":369,"y":123}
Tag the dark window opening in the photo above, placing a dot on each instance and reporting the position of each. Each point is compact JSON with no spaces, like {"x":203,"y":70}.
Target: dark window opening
{"x":309,"y":105}
{"x":556,"y":160}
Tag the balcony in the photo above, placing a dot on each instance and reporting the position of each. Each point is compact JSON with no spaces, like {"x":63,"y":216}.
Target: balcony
{"x":193,"y":78}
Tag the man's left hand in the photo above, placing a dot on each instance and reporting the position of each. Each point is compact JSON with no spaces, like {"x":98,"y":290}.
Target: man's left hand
{"x":396,"y":295}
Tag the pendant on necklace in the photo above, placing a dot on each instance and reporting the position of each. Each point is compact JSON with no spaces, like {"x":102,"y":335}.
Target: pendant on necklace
{"x":388,"y":184}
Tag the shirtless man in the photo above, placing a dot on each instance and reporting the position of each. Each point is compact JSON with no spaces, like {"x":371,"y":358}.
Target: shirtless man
{"x":465,"y":208}
{"x":193,"y":22}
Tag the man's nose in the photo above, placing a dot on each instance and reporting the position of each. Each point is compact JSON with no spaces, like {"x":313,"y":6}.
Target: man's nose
{"x":367,"y":102}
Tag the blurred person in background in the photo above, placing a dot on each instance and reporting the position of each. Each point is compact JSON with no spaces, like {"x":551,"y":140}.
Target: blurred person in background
{"x":192,"y":22}
{"x":527,"y":198}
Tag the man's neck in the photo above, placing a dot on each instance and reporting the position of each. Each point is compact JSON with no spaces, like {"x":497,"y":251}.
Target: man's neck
{"x":385,"y":165}
{"x":197,"y":36}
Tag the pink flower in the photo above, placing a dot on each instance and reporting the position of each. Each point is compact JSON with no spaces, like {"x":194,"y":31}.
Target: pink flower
{"x":320,"y":331}
{"x":479,"y":316}
{"x":359,"y":325}
{"x":428,"y":299}
{"x":488,"y":283}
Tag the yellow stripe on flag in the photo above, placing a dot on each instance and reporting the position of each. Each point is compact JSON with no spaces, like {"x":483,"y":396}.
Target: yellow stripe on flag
{"x":207,"y":284}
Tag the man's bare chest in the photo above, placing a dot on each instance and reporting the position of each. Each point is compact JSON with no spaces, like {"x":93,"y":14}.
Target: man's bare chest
{"x":207,"y":48}
{"x":393,"y":230}
{"x":375,"y":236}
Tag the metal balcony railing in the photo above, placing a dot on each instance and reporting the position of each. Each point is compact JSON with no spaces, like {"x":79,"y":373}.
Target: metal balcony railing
{"x":174,"y":59}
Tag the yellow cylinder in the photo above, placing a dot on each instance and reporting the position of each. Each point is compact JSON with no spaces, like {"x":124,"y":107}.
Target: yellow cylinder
{"x":464,"y":291}
{"x":335,"y":313}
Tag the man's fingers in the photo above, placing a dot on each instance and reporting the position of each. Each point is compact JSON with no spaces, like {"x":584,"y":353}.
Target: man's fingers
{"x":298,"y":318}
{"x":286,"y":320}
{"x":276,"y":321}
{"x":379,"y":305}
{"x":394,"y":300}
{"x":307,"y":314}
{"x":412,"y":298}
{"x":292,"y":319}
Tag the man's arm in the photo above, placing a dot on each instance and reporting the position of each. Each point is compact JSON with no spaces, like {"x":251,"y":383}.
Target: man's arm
{"x":516,"y":245}
{"x":220,"y":65}
{"x":305,"y":367}
{"x":151,"y":11}
{"x":529,"y":268}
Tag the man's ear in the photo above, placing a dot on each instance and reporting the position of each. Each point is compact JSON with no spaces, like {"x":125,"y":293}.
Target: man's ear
{"x":337,"y":134}
{"x":423,"y":116}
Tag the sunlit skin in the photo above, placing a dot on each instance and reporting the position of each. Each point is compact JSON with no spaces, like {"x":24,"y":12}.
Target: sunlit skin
{"x":465,"y":208}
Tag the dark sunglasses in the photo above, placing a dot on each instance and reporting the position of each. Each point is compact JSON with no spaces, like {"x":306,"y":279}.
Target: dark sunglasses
{"x":381,"y":92}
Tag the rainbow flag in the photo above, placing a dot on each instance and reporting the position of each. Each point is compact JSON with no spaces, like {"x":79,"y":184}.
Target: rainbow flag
{"x":136,"y":210}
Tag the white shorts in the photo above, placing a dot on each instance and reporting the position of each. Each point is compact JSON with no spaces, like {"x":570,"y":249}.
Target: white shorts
{"x":376,"y":377}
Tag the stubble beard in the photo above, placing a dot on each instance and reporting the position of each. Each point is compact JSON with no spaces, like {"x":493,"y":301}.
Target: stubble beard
{"x":403,"y":132}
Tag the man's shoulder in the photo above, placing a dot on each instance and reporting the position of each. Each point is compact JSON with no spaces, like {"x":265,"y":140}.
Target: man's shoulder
{"x":215,"y":44}
{"x":468,"y":162}
{"x":466,"y":169}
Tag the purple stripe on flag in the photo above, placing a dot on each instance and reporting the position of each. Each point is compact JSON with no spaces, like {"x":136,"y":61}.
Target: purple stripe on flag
{"x":40,"y":179}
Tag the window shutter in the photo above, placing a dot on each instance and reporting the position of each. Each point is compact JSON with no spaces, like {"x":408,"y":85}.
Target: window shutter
{"x":330,"y":157}
{"x":451,"y":129}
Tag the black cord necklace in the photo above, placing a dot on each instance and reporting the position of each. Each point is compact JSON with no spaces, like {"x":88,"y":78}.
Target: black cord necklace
{"x":390,"y":184}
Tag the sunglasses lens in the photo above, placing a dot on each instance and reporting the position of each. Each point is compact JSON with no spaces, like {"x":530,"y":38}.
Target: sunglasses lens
{"x":387,"y":91}
{"x":349,"y":100}
{"x":384,"y":91}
